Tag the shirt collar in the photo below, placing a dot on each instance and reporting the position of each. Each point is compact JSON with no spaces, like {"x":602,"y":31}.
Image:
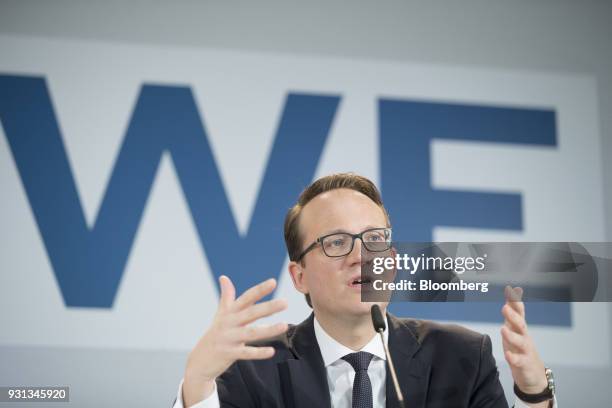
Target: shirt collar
{"x":332,"y":350}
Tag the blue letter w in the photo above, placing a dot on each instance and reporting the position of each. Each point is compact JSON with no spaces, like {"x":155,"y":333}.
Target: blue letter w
{"x":89,"y":263}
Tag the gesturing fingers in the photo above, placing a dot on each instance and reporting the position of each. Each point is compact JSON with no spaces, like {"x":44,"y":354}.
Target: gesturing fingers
{"x":515,"y":338}
{"x":228,"y":292}
{"x":255,"y":333}
{"x":516,"y":347}
{"x":259,"y":310}
{"x":514,"y":298}
{"x":515,"y":341}
{"x":254,"y":294}
{"x":513,"y":320}
{"x":255,"y":353}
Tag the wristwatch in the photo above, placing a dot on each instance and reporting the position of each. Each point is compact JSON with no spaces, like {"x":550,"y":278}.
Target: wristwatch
{"x":547,"y":394}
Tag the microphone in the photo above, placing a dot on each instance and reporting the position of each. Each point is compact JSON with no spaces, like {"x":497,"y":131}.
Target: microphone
{"x":379,"y":326}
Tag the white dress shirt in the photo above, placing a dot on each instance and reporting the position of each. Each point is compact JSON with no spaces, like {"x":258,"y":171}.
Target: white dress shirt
{"x":340,"y":374}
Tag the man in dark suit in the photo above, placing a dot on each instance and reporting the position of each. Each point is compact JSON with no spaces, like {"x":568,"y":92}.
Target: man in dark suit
{"x":334,"y":358}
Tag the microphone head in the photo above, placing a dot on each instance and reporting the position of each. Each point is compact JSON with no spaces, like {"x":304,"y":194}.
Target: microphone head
{"x":377,"y":319}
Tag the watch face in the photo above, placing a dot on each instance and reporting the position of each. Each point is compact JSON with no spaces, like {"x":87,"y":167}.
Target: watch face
{"x":551,"y":379}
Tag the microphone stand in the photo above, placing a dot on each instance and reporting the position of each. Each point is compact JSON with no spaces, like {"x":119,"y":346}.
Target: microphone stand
{"x":379,"y":326}
{"x":398,"y":391}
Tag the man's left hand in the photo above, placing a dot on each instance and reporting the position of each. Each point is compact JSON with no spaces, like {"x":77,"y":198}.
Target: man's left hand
{"x":519,"y":349}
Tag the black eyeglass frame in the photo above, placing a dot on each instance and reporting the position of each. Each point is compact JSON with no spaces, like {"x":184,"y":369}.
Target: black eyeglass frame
{"x":353,"y":236}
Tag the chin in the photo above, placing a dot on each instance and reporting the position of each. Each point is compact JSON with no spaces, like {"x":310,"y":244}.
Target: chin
{"x":362,"y":308}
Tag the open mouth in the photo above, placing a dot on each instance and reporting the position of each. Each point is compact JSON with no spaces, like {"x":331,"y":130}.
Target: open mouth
{"x":361,"y":281}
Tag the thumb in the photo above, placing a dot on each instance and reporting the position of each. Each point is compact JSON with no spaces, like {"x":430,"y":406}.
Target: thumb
{"x":228,"y":292}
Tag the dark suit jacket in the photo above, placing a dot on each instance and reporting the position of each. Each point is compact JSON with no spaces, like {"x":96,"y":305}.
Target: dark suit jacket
{"x":437,"y":366}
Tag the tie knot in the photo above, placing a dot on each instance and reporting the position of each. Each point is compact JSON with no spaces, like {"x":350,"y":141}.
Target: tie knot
{"x":360,"y":361}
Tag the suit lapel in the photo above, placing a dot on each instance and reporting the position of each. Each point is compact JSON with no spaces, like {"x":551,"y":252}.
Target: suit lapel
{"x":304,"y":379}
{"x":412,"y":374}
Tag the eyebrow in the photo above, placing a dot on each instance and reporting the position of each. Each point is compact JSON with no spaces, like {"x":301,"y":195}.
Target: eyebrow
{"x":340,"y":230}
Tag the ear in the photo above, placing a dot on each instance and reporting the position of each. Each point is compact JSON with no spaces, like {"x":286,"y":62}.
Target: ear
{"x":296,"y":271}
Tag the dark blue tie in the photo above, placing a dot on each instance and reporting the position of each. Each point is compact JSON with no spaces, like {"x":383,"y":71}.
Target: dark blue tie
{"x":362,"y":387}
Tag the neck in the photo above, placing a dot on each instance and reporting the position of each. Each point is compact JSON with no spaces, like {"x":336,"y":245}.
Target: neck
{"x":353,"y":332}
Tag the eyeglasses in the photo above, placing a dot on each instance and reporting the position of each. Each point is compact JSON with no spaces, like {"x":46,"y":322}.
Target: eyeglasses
{"x":341,"y":243}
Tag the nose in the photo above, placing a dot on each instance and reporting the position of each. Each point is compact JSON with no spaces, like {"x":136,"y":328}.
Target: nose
{"x":355,"y":255}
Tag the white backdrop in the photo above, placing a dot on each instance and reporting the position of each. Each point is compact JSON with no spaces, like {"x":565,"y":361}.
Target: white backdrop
{"x":166,"y":295}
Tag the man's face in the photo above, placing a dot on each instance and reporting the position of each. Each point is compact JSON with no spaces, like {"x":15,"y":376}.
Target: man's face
{"x":329,"y":281}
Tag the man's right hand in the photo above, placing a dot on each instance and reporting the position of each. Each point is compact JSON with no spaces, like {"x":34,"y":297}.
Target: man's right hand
{"x":225,"y":340}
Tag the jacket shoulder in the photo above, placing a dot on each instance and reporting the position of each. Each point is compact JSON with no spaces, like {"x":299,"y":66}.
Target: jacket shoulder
{"x":428,"y":332}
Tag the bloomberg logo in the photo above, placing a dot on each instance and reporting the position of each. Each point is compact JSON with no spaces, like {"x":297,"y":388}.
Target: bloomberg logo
{"x":89,"y":263}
